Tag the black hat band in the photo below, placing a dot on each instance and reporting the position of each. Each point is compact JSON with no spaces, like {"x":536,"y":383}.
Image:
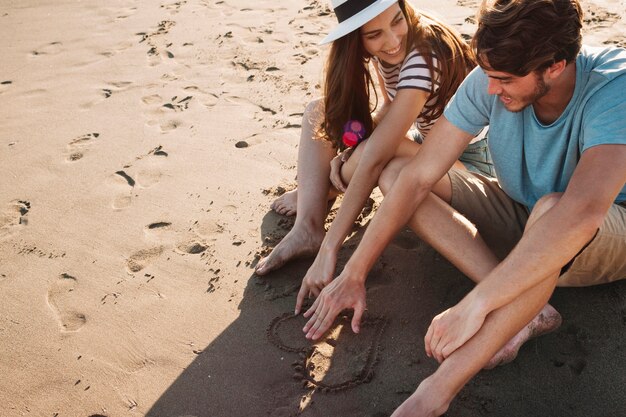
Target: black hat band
{"x":351,"y":7}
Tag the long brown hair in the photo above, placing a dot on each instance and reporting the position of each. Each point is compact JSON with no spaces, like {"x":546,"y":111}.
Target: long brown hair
{"x":348,"y":80}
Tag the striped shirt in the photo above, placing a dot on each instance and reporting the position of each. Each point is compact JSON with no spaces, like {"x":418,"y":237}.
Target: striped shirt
{"x":412,"y":73}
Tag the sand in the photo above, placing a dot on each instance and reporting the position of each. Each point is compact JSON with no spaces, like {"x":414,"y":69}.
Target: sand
{"x":141,"y":144}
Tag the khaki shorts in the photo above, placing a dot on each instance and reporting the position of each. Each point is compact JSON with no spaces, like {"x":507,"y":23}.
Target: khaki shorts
{"x":501,"y":221}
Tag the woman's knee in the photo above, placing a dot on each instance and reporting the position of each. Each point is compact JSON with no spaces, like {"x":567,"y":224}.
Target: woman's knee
{"x":390,"y":174}
{"x":314,"y":107}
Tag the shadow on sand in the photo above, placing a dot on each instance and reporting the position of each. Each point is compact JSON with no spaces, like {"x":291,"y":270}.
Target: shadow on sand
{"x":576,"y":371}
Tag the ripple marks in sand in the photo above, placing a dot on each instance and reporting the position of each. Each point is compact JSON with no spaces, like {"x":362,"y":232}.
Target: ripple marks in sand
{"x":140,"y":259}
{"x":353,"y":358}
{"x":60,"y":299}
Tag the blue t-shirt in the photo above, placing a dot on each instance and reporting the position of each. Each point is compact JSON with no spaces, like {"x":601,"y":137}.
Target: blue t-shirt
{"x":532,"y":159}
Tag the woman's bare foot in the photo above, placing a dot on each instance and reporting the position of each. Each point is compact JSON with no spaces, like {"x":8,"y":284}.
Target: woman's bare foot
{"x":299,"y":242}
{"x":546,"y":321}
{"x":286,"y":203}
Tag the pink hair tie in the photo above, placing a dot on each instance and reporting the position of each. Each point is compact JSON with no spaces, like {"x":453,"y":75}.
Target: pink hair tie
{"x":353,"y":133}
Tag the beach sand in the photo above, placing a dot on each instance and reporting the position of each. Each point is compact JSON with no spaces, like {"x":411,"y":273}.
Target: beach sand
{"x":141,"y":144}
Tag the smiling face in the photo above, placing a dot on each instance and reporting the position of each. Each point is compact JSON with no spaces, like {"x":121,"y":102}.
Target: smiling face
{"x":385,"y":36}
{"x":516,"y":93}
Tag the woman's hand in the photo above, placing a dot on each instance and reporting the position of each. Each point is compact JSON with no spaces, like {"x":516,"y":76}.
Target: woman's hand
{"x":317,"y":277}
{"x":344,"y":292}
{"x":335,"y":169}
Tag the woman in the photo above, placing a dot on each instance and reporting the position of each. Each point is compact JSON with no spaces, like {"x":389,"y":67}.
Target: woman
{"x":419,"y":63}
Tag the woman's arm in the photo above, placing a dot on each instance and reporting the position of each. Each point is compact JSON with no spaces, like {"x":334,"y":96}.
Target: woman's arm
{"x":382,"y":111}
{"x":444,"y":145}
{"x":379,"y":150}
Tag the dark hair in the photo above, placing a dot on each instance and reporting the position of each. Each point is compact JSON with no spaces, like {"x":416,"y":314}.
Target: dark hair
{"x":348,"y":79}
{"x":521,"y":36}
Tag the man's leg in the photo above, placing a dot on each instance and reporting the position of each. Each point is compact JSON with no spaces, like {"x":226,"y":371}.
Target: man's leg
{"x":458,"y":240}
{"x":502,"y":326}
{"x":434,"y":394}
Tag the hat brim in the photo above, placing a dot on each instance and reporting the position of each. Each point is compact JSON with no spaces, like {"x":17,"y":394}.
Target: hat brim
{"x":357,"y":20}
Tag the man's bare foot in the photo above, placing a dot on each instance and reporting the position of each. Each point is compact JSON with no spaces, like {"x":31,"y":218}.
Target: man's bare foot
{"x":299,"y":242}
{"x":546,"y":321}
{"x":286,"y":203}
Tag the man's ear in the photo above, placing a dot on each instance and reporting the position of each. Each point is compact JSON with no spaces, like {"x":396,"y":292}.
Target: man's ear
{"x":554,"y":70}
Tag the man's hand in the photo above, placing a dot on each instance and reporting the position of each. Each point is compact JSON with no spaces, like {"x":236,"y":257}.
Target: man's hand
{"x":452,"y":328}
{"x":344,"y":292}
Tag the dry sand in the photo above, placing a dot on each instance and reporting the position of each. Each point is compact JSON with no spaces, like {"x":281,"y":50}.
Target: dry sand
{"x":141,"y":144}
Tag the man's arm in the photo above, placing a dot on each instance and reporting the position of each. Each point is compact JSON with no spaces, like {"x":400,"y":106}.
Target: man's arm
{"x":440,"y":151}
{"x":553,"y":240}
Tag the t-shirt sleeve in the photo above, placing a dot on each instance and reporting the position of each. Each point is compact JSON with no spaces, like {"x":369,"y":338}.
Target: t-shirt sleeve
{"x":415,"y":73}
{"x":604,"y":121}
{"x":470,"y":107}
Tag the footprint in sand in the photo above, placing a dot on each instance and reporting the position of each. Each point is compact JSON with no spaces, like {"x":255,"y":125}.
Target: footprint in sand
{"x":52,"y":48}
{"x":125,"y":13}
{"x":152,"y":99}
{"x":161,"y":232}
{"x":5,"y":85}
{"x":174,"y":8}
{"x":192,"y":247}
{"x":141,"y":259}
{"x":131,"y":179}
{"x":148,"y":177}
{"x":77,"y":147}
{"x":106,"y":91}
{"x":339,"y":360}
{"x":125,"y":183}
{"x":62,"y":299}
{"x":161,"y":108}
{"x":573,"y":349}
{"x":157,"y":44}
{"x":13,"y":217}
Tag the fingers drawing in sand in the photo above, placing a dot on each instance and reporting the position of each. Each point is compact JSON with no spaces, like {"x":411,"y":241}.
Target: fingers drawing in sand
{"x":337,"y":362}
{"x":342,"y":293}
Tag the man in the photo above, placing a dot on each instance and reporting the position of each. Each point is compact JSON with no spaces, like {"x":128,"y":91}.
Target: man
{"x":556,"y":214}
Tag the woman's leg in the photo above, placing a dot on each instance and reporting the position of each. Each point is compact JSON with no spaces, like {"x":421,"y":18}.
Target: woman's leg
{"x":314,"y":158}
{"x":406,"y":150}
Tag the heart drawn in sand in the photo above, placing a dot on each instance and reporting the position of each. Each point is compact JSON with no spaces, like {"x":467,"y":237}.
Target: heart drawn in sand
{"x":340,"y":360}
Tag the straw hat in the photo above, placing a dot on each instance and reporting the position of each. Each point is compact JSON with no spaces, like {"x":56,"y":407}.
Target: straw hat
{"x":352,"y":14}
